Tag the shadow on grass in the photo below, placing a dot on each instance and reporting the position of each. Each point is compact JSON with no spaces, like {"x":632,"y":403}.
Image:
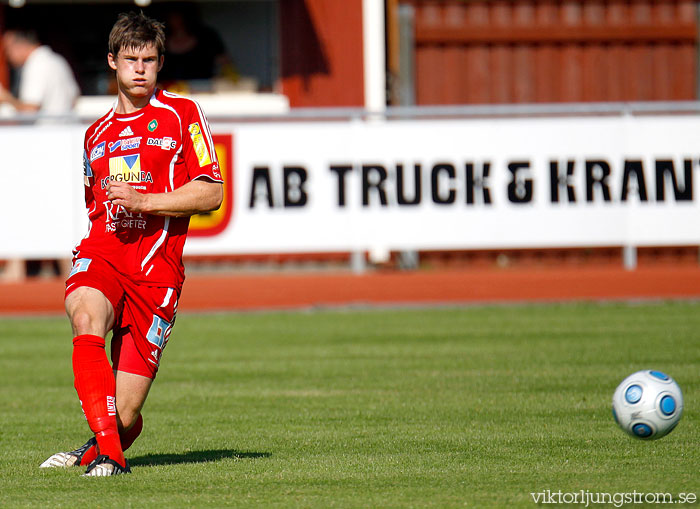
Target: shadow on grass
{"x":194,"y":457}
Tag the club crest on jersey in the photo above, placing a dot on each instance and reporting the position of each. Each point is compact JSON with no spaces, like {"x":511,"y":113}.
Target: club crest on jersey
{"x":126,"y":169}
{"x":153,"y":125}
{"x":97,"y":151}
{"x":200,"y":147}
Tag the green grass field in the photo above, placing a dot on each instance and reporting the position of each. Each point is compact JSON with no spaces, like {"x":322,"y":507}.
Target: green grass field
{"x":476,"y":406}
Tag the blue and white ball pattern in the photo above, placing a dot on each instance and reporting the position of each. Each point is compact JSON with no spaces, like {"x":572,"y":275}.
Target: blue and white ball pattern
{"x":647,"y":404}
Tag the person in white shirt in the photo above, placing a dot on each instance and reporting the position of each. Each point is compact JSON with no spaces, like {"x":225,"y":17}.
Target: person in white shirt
{"x":47,"y":88}
{"x":47,"y":85}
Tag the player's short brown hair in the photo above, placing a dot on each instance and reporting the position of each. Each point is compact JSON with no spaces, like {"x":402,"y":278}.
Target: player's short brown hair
{"x":136,"y":31}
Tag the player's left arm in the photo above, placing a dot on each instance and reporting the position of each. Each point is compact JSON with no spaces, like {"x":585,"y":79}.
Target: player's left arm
{"x":195,"y":197}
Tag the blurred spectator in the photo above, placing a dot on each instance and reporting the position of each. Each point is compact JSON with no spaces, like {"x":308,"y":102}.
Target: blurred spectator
{"x":193,"y":52}
{"x":46,"y":85}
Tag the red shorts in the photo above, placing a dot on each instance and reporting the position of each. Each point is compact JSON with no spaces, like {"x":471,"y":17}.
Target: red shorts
{"x":143,"y":315}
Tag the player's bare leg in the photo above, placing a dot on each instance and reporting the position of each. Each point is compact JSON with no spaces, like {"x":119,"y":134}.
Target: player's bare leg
{"x":132,"y":391}
{"x":91,"y":315}
{"x":89,"y":312}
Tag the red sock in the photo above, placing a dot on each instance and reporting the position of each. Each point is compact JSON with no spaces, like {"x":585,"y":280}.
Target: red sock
{"x":94,"y":382}
{"x":89,"y":456}
{"x":127,"y":438}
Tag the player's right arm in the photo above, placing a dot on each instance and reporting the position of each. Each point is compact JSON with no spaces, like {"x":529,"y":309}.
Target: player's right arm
{"x":203,"y":190}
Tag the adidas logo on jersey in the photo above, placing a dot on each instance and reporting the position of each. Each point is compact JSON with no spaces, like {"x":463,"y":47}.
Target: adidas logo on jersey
{"x":126,"y":132}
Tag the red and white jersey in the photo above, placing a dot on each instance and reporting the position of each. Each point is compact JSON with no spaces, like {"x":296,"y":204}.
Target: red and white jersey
{"x":156,"y":149}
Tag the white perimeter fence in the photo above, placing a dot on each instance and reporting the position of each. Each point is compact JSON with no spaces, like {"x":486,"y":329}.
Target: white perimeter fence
{"x":408,"y":179}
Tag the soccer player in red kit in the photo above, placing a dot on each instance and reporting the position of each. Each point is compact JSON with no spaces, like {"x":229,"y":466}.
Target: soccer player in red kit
{"x":149,"y":164}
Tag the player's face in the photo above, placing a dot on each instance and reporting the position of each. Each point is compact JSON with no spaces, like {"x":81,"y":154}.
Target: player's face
{"x":137,"y":70}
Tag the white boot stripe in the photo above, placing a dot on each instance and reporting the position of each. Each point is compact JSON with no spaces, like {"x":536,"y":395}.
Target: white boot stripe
{"x":60,"y":459}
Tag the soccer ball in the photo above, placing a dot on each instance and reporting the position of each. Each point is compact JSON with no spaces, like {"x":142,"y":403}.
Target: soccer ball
{"x":647,"y":404}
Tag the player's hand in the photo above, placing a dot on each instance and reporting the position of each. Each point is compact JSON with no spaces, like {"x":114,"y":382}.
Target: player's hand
{"x":121,"y":193}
